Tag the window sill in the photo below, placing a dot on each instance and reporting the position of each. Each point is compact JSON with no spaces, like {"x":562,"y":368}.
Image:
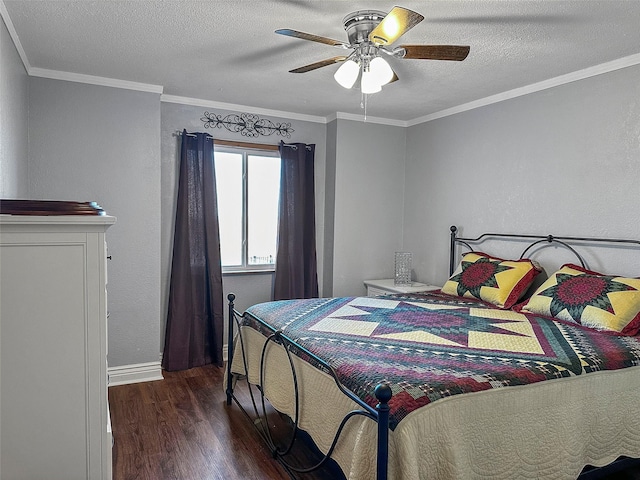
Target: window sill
{"x":248,"y":271}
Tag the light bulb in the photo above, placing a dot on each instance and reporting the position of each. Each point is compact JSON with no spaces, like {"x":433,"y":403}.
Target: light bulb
{"x":347,"y":74}
{"x":380,"y":68}
{"x":369,"y":83}
{"x":391,"y":26}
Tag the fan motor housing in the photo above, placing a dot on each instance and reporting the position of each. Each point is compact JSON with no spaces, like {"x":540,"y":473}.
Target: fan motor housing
{"x":359,"y":25}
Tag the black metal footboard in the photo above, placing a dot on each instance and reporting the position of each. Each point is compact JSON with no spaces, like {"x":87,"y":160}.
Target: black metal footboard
{"x":380,"y":414}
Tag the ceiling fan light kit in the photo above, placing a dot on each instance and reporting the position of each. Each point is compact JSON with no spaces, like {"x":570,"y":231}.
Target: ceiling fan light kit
{"x":377,"y":73}
{"x":370,"y":33}
{"x":368,"y":83}
{"x":347,"y":74}
{"x":381,"y":69}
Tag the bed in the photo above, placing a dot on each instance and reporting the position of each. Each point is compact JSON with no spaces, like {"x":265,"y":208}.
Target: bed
{"x":504,"y":373}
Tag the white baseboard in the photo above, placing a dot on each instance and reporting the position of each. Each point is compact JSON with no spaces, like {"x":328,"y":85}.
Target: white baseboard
{"x":142,"y":372}
{"x":136,"y":373}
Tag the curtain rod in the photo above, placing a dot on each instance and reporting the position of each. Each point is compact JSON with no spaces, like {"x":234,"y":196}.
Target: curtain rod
{"x":233,"y":143}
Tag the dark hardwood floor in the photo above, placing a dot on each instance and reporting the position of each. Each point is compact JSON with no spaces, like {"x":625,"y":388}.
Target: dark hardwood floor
{"x":182,"y":429}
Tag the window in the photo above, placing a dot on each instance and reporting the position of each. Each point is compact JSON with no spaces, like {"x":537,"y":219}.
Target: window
{"x":248,"y":187}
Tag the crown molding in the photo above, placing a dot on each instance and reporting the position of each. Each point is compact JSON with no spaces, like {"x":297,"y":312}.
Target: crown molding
{"x":196,"y":102}
{"x":94,"y":80}
{"x":593,"y":71}
{"x":4,"y":13}
{"x":606,"y":67}
{"x":68,"y":76}
{"x":367,"y":119}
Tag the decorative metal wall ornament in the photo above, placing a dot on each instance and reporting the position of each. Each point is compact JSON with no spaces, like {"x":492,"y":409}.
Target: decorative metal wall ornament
{"x":247,"y":124}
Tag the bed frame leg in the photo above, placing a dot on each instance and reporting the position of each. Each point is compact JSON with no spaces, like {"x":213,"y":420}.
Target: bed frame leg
{"x":383,"y":394}
{"x":231,"y":297}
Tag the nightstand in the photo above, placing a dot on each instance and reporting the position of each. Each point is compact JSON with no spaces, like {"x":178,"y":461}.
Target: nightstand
{"x":387,"y":287}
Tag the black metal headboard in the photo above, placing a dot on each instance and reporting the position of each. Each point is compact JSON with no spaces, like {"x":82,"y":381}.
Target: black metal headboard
{"x":535,"y":240}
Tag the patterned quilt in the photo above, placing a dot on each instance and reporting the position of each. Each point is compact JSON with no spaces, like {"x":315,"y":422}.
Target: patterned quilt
{"x":432,"y":346}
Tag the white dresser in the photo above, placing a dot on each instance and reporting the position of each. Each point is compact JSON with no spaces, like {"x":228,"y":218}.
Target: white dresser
{"x":54,"y":411}
{"x":386,"y":286}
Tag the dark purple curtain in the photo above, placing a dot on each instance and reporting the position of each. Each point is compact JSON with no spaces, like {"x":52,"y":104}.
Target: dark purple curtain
{"x":296,"y":268}
{"x":195,"y":318}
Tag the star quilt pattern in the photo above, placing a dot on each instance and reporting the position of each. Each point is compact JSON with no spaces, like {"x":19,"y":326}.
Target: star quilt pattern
{"x":430,"y":346}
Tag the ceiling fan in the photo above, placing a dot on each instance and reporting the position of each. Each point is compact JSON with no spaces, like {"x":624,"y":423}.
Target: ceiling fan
{"x":370,"y":34}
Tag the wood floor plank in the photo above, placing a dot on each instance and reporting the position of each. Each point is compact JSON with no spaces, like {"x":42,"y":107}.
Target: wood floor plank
{"x":180,"y":428}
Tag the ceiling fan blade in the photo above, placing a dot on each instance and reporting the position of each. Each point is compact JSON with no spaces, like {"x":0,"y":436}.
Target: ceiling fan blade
{"x":397,"y":22}
{"x":436,"y":52}
{"x":322,"y":63}
{"x":308,"y":36}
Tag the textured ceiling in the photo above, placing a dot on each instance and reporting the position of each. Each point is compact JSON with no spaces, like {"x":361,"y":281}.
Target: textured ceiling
{"x":226,"y":51}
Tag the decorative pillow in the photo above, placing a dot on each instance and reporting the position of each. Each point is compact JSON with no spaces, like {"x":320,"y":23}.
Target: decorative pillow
{"x":494,"y":280}
{"x":577,"y":295}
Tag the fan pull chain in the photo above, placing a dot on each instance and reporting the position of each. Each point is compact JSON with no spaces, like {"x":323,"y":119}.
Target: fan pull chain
{"x":363,"y":104}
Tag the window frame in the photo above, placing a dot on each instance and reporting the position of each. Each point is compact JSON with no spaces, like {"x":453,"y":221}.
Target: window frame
{"x":245,"y":150}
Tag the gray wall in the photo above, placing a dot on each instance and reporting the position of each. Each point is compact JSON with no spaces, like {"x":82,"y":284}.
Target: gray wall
{"x":369,"y":185}
{"x":564,"y":161}
{"x":93,"y":143}
{"x":330,"y":208}
{"x":249,"y":288}
{"x":13,"y":119}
